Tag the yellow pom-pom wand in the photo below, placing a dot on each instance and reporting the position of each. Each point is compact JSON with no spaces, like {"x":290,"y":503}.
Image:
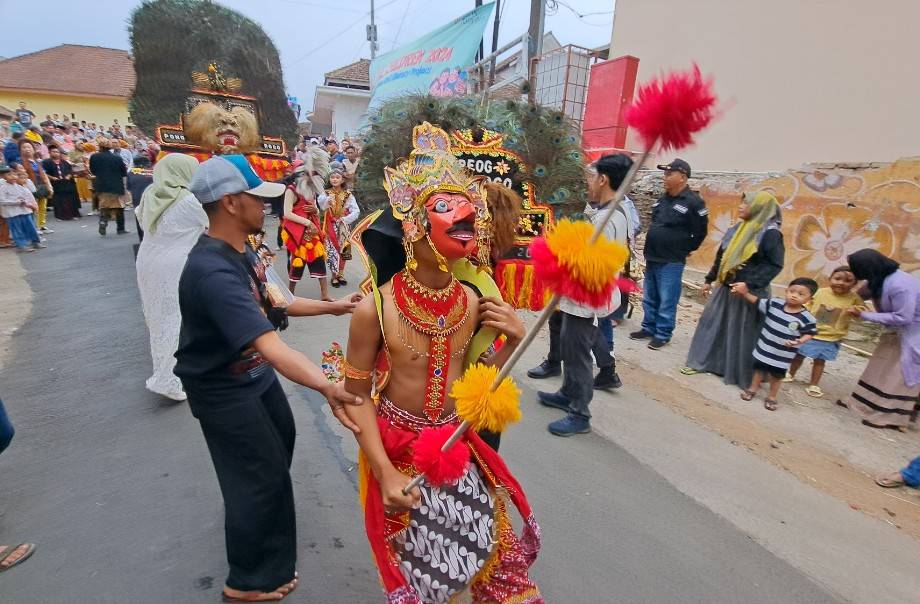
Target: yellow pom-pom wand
{"x":484,"y":402}
{"x":667,"y":112}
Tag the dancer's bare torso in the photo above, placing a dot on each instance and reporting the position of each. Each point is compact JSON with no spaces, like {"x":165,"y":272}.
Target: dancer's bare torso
{"x":408,"y":355}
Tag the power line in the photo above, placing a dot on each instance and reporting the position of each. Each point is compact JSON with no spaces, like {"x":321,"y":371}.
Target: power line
{"x":401,"y":21}
{"x":553,"y":5}
{"x":314,"y":4}
{"x":335,"y":36}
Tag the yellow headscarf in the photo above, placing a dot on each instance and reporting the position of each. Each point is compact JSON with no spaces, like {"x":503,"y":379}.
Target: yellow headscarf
{"x":171,"y":177}
{"x":742,"y":240}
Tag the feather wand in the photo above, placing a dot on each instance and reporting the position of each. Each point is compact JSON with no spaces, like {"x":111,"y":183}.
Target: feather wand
{"x":667,"y":112}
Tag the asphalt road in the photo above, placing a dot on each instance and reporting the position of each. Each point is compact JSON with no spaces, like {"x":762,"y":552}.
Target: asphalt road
{"x":116,"y":486}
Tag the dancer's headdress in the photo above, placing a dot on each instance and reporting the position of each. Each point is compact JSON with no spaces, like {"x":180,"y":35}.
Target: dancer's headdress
{"x":432,"y":167}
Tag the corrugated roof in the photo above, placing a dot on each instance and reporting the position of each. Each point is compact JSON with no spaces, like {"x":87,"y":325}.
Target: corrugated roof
{"x":71,"y":69}
{"x":359,"y":71}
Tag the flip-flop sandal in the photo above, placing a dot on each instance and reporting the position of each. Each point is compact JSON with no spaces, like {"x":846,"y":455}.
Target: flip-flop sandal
{"x":888,"y":483}
{"x":8,"y":552}
{"x":788,"y":378}
{"x":690,"y":371}
{"x":814,"y":391}
{"x":253,"y":597}
{"x":747,"y":395}
{"x":770,"y":405}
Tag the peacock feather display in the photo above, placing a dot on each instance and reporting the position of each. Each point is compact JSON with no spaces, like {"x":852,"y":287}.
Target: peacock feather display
{"x":549,"y":143}
{"x":181,"y":44}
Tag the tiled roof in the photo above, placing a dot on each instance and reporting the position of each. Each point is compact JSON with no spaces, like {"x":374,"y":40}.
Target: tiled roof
{"x":71,"y":69}
{"x":507,"y":91}
{"x":359,"y":71}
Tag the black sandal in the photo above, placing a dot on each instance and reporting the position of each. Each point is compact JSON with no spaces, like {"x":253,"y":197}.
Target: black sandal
{"x":747,"y":395}
{"x":770,"y":404}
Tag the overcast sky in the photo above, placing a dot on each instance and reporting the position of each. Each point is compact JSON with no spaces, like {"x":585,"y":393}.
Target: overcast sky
{"x":313,"y":36}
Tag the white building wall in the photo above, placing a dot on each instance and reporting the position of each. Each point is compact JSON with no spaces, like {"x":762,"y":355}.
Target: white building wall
{"x":801,"y":80}
{"x":347,"y":115}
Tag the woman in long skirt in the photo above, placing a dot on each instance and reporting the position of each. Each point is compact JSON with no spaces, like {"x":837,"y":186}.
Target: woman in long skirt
{"x":751,"y":252}
{"x":172,"y":220}
{"x":888,"y":391}
{"x":60,"y":172}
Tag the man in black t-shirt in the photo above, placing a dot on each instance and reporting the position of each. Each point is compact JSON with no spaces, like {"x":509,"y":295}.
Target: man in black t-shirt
{"x":227,"y":356}
{"x":680,"y":221}
{"x":24,"y":115}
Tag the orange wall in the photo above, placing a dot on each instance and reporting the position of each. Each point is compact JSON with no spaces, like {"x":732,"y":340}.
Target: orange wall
{"x":828,"y":214}
{"x":91,"y":109}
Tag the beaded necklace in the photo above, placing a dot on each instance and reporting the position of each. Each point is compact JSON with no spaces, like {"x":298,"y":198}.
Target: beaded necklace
{"x":437,"y":314}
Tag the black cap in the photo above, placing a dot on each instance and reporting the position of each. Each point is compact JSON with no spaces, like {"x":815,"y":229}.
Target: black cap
{"x":677,"y":165}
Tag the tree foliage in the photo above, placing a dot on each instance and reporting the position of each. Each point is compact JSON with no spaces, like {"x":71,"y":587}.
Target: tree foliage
{"x":172,"y":38}
{"x":545,"y":138}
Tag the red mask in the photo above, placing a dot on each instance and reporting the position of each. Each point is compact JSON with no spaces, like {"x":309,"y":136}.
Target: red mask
{"x":451,"y":218}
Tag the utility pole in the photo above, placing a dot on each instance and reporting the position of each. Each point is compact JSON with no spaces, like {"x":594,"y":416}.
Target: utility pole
{"x":481,"y":55}
{"x":372,"y":33}
{"x":495,"y":26}
{"x":537,"y":22}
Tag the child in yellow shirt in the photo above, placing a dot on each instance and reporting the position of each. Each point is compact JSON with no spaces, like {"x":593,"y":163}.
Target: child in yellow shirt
{"x":829,"y":306}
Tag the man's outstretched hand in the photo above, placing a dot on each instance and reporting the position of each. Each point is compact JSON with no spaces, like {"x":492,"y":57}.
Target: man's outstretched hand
{"x":338,"y":397}
{"x":346,"y":305}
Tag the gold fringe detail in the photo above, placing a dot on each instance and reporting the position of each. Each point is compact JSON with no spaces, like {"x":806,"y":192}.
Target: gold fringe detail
{"x":508,"y":274}
{"x":526,"y":288}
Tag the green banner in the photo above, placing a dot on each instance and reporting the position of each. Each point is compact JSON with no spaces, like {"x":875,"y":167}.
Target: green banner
{"x":434,"y":64}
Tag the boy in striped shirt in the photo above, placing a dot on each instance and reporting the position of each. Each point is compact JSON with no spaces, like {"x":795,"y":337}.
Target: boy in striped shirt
{"x":787,"y":325}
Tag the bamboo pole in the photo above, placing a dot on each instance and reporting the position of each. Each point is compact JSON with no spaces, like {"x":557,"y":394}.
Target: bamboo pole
{"x":544,"y":314}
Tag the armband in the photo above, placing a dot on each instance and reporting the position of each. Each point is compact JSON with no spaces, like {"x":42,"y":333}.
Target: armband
{"x":354,"y":373}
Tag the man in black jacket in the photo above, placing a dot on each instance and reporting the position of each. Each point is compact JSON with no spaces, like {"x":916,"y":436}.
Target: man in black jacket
{"x":679,"y":224}
{"x":110,"y":172}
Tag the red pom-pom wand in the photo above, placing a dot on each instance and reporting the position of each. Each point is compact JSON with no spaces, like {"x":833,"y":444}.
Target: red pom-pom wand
{"x":667,"y":112}
{"x":670,"y":110}
{"x":439,"y":468}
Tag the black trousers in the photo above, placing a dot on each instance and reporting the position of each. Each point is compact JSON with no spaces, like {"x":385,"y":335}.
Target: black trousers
{"x":597,"y":343}
{"x":119,"y":215}
{"x":252,"y":444}
{"x":577,"y":340}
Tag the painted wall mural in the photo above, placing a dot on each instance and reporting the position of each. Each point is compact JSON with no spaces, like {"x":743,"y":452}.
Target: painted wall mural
{"x":828,"y":213}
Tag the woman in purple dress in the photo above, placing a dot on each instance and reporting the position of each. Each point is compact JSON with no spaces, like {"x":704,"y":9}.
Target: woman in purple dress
{"x":888,"y":391}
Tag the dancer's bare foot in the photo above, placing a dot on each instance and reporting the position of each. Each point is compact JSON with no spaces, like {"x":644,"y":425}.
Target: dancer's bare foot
{"x":11,"y":555}
{"x":235,"y":595}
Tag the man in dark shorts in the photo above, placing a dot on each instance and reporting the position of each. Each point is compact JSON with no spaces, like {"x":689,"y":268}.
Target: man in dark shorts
{"x":227,"y":356}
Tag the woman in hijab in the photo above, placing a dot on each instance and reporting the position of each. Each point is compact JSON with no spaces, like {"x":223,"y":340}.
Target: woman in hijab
{"x":888,"y":391}
{"x":751,"y":252}
{"x":172,"y":220}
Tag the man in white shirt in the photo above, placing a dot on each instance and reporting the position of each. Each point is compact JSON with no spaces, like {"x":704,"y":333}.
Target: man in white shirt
{"x":578,"y":335}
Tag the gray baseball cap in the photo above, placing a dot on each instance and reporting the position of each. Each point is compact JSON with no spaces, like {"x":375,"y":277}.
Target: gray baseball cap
{"x":229,"y":175}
